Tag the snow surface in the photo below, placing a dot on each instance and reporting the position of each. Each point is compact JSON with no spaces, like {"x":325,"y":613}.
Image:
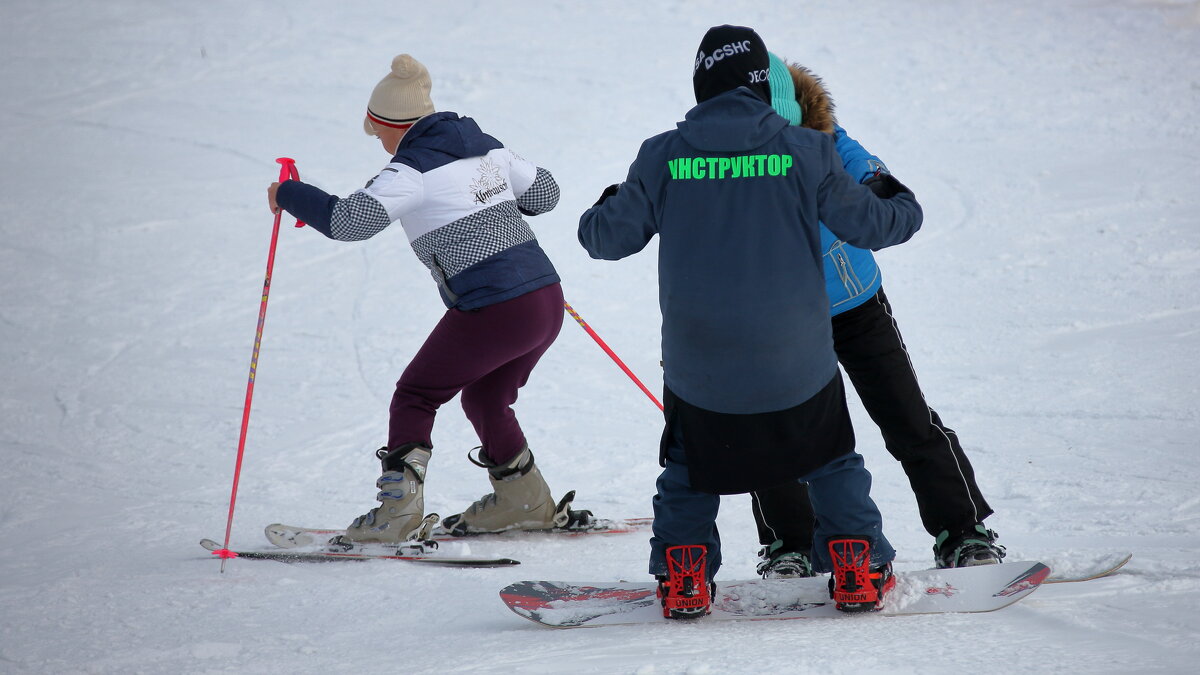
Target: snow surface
{"x":1049,"y":304}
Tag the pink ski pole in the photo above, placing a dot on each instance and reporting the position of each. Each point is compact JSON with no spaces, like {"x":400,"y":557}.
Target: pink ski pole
{"x":286,"y":170}
{"x":611,"y":354}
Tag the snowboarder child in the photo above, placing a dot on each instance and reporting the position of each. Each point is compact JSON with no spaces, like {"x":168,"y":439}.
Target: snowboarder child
{"x":753,"y":395}
{"x":873,"y":355}
{"x":459,"y":195}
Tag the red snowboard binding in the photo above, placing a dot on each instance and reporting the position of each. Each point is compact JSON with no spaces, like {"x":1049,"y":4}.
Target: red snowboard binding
{"x":854,"y":586}
{"x":686,"y":593}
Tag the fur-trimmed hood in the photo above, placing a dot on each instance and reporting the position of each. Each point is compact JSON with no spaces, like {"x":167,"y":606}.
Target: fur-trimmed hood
{"x":816,"y":105}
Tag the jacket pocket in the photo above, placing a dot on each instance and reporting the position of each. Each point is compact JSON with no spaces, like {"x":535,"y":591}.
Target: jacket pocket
{"x":439,"y":275}
{"x":845,"y":270}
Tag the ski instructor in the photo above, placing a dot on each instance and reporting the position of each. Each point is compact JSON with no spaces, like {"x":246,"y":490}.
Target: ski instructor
{"x":753,"y":395}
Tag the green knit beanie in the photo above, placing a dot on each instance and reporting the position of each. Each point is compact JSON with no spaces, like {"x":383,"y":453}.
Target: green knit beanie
{"x":783,"y":91}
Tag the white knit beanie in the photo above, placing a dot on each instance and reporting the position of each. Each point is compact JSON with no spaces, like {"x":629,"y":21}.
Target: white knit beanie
{"x":401,"y":97}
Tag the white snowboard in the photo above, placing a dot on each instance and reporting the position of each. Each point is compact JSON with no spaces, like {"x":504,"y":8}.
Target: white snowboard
{"x":968,"y":589}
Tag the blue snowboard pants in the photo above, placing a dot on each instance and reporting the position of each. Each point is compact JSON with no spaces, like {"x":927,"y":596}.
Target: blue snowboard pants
{"x":840,"y":493}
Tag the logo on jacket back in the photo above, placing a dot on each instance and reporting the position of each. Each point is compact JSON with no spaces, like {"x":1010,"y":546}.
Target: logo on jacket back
{"x":738,"y":166}
{"x":720,"y":53}
{"x":490,"y":182}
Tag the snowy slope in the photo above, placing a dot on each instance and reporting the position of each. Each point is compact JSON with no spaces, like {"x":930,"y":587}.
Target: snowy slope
{"x":1049,"y":305}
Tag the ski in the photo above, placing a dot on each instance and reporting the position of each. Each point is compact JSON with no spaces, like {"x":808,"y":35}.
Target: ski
{"x":1072,"y":570}
{"x":404,"y":553}
{"x":984,"y":588}
{"x":574,"y":523}
{"x":291,"y":536}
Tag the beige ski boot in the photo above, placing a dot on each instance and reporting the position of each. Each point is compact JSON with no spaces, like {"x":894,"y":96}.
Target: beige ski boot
{"x":521,"y":500}
{"x":401,"y":496}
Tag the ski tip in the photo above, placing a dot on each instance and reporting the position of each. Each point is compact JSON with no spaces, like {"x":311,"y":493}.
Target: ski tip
{"x":1098,"y":569}
{"x":217,"y":549}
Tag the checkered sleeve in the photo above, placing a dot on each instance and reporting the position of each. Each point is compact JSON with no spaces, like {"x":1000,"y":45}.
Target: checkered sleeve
{"x":541,"y":197}
{"x":357,"y":217}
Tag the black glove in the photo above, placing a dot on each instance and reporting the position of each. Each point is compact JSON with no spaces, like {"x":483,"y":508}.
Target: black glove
{"x":885,"y":186}
{"x":608,"y":192}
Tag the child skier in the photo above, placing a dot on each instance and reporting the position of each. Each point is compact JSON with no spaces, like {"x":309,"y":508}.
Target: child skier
{"x":460,"y":195}
{"x":871,"y":351}
{"x":752,"y":391}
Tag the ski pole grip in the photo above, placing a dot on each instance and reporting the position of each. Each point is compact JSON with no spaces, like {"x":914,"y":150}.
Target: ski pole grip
{"x":287,"y":171}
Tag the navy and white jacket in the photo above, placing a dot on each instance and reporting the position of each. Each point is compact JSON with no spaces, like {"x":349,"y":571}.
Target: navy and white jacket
{"x":735,"y":196}
{"x":459,"y":194}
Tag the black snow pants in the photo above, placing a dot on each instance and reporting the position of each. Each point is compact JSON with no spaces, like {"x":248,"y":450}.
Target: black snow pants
{"x":872,"y":353}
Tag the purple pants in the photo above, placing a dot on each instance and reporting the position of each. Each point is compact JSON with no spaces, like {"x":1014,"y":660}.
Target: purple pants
{"x":487,"y":354}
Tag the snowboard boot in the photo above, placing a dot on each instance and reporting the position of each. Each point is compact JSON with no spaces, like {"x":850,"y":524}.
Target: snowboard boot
{"x":967,"y":548}
{"x":401,"y":496}
{"x":520,"y":500}
{"x":685,"y":592}
{"x":856,"y":586}
{"x":779,"y":563}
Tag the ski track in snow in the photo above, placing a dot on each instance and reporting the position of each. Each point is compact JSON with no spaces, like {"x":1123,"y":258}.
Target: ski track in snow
{"x":1048,"y":304}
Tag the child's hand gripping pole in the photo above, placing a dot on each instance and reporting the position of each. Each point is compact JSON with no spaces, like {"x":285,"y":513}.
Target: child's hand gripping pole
{"x":286,"y":172}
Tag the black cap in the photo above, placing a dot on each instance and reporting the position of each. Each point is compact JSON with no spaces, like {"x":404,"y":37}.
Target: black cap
{"x":731,"y":57}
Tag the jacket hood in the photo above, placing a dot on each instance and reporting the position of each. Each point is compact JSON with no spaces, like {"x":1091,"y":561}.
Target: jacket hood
{"x":449,"y":134}
{"x":734,"y":121}
{"x":816,"y":105}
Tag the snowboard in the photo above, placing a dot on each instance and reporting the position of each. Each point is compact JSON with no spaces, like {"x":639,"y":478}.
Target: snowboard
{"x":984,"y":588}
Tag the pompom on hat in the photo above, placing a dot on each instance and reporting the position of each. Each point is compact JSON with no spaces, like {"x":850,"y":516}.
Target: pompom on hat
{"x":401,"y":97}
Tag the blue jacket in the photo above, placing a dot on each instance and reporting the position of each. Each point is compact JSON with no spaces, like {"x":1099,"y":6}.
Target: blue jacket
{"x":851,"y":275}
{"x":735,"y":195}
